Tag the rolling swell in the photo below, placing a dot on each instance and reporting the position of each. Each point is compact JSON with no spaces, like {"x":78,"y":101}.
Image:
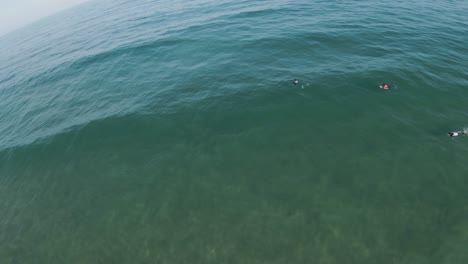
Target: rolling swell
{"x":73,"y":78}
{"x":73,"y":69}
{"x":170,"y":132}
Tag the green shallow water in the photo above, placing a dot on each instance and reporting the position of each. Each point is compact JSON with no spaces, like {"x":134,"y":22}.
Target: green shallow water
{"x":167,"y":132}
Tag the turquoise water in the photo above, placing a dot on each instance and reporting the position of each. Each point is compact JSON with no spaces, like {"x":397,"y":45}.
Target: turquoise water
{"x":170,"y":132}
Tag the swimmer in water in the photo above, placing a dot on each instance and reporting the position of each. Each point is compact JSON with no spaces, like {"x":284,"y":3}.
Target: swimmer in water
{"x":296,"y":81}
{"x":457,"y":133}
{"x":385,"y":86}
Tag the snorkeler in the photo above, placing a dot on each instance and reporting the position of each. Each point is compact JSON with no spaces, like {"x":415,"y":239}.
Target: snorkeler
{"x":385,"y":86}
{"x":296,"y":81}
{"x":457,"y":133}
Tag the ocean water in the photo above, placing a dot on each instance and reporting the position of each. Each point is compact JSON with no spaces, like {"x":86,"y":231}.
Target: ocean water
{"x":170,"y":132}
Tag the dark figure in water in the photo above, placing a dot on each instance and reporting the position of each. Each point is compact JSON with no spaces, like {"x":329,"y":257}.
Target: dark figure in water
{"x":385,"y":86}
{"x":457,"y":133}
{"x":296,"y":81}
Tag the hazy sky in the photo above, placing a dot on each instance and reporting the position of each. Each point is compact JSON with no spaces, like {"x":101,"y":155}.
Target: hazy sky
{"x":18,"y":13}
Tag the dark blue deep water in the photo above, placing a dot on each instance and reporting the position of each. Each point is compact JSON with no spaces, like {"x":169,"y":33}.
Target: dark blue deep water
{"x":170,"y":132}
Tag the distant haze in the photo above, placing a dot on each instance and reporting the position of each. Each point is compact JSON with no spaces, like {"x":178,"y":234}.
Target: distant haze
{"x":19,"y":13}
